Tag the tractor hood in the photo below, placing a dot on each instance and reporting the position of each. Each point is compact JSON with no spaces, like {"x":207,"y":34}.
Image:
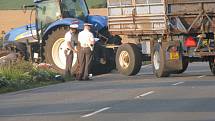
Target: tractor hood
{"x":21,"y":34}
{"x":98,"y":21}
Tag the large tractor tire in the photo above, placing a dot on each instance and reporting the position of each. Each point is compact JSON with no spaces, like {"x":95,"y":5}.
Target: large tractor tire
{"x":128,"y":59}
{"x":158,"y":62}
{"x":54,"y":50}
{"x":185,"y":63}
{"x":212,"y":65}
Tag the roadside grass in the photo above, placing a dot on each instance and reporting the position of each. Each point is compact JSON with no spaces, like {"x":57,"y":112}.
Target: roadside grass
{"x":14,"y":4}
{"x":24,"y":75}
{"x":17,"y":4}
{"x":26,"y":86}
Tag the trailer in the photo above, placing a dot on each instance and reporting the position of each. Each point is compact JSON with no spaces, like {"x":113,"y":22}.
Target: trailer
{"x":170,"y":33}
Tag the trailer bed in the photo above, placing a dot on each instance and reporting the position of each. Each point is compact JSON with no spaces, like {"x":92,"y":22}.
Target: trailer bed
{"x":147,"y":17}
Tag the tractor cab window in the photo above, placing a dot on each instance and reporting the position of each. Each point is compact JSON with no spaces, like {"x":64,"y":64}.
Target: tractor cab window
{"x":74,"y":9}
{"x":48,"y":12}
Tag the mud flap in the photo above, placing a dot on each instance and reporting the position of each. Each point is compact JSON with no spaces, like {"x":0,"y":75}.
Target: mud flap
{"x":173,"y":57}
{"x":173,"y":65}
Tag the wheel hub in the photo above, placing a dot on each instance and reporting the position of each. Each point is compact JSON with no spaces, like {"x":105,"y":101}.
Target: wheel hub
{"x":58,"y":55}
{"x":124,"y":59}
{"x":156,"y":60}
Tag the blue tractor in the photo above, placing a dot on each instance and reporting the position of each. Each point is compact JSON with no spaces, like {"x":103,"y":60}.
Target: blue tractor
{"x":44,"y":40}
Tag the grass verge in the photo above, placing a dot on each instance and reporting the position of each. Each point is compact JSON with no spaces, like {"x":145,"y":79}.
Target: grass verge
{"x":24,"y":75}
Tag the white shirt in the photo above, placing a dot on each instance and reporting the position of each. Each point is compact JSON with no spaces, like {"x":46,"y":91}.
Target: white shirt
{"x":86,"y":38}
{"x":67,"y":38}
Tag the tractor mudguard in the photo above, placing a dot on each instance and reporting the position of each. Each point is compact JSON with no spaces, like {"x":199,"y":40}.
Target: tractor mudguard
{"x":64,"y":22}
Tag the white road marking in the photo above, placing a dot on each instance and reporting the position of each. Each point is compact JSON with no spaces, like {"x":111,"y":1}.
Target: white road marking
{"x":177,"y":83}
{"x":96,"y":112}
{"x":145,"y":94}
{"x":202,"y":76}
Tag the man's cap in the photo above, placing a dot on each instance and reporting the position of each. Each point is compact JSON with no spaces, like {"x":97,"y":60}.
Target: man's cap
{"x":74,"y":26}
{"x":87,"y":24}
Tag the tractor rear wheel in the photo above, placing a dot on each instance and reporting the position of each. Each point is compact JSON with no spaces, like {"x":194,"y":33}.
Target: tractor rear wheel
{"x":54,"y":50}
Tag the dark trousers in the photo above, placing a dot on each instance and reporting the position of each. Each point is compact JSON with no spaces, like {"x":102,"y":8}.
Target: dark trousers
{"x":69,"y":60}
{"x":85,"y":62}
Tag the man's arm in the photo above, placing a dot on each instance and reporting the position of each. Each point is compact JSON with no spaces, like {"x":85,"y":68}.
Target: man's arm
{"x":68,"y":42}
{"x":69,"y":45}
{"x":91,"y":38}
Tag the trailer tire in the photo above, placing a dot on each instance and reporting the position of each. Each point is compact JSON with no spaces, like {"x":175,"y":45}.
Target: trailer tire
{"x":212,"y":65}
{"x":185,"y":63}
{"x":54,"y":51}
{"x":128,"y":59}
{"x":158,"y":62}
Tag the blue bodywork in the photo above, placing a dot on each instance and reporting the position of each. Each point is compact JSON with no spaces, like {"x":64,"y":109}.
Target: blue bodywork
{"x":65,"y":22}
{"x":21,"y":34}
{"x":99,"y":22}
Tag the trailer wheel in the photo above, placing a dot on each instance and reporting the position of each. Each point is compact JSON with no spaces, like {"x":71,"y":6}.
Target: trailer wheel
{"x":185,"y":63}
{"x":54,"y":50}
{"x":158,"y":61}
{"x":128,"y":59}
{"x":212,"y":65}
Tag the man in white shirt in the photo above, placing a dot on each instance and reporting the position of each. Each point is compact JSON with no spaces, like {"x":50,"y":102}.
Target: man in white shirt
{"x":71,"y":40}
{"x":86,"y":40}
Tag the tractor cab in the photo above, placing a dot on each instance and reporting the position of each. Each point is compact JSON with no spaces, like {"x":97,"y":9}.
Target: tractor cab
{"x":49,"y":11}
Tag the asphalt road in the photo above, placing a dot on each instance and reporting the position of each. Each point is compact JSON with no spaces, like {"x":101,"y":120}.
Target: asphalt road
{"x":113,"y":97}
